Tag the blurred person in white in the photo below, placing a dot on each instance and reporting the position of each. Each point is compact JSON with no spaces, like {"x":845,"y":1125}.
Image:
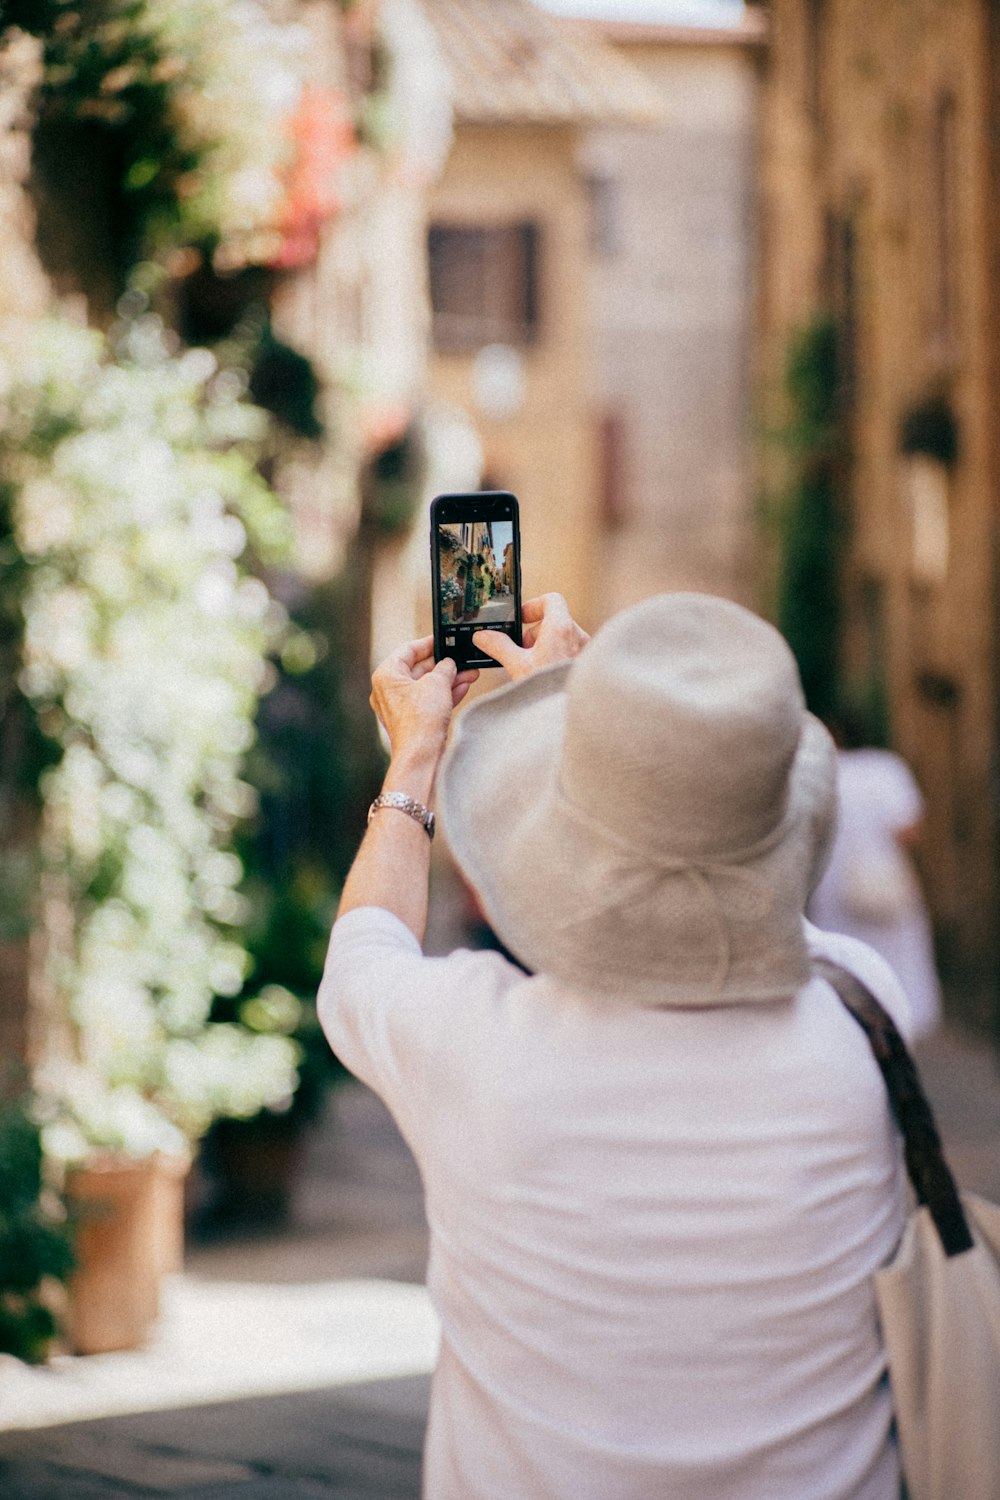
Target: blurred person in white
{"x":657,"y":1153}
{"x":870,"y":889}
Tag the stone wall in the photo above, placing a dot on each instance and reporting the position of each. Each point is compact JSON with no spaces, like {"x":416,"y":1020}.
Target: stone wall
{"x":878,"y":196}
{"x":672,"y":308}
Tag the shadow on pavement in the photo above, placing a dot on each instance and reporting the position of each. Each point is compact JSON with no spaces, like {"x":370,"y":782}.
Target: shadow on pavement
{"x":362,"y":1441}
{"x":358,"y":1208}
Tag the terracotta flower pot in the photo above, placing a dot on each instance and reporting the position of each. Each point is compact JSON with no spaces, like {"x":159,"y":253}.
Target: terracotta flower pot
{"x":130,"y":1234}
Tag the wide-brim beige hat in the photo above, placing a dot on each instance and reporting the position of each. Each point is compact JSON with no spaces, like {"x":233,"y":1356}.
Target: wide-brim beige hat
{"x":648,"y":821}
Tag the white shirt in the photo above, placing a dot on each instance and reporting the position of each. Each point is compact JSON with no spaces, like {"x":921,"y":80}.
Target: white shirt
{"x":652,"y":1230}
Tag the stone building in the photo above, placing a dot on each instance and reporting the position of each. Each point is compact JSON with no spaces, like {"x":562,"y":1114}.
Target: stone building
{"x":507,"y":571}
{"x":672,"y":296}
{"x":878,"y":205}
{"x":509,"y":260}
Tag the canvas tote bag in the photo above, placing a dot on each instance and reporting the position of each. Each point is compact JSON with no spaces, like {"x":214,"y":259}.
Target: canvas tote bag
{"x":939,"y":1298}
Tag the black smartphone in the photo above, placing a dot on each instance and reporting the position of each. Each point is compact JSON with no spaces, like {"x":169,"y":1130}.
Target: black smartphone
{"x":476,"y":572}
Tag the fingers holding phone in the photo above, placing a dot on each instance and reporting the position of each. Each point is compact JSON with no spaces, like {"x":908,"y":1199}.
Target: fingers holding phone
{"x":413,"y":697}
{"x":476,"y":570}
{"x":549,"y":635}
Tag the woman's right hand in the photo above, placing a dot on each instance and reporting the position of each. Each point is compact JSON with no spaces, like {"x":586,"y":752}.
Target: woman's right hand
{"x":413,"y":697}
{"x":550,"y":634}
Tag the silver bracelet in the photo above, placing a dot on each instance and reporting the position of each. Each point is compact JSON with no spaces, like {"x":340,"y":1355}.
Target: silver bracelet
{"x":406,"y":804}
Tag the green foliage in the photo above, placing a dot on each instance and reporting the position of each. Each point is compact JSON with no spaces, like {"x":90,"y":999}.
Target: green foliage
{"x":35,"y":1237}
{"x":284,"y":382}
{"x":133,"y":630}
{"x":391,"y":491}
{"x":133,"y":511}
{"x":812,"y":386}
{"x":316,"y":765}
{"x":287,"y":934}
{"x":930,"y":427}
{"x":810,"y":516}
{"x":809,"y":603}
{"x":185,"y":100}
{"x":297,"y":849}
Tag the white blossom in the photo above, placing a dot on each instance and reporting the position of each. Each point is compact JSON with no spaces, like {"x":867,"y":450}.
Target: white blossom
{"x":146,"y":641}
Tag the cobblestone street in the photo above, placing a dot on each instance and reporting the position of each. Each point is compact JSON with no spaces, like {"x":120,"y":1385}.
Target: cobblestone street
{"x":289,"y":1365}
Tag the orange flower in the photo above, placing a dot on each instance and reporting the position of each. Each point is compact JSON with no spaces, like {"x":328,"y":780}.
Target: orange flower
{"x":323,"y":138}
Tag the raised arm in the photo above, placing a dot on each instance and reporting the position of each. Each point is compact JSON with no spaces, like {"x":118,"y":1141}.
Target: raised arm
{"x":414,"y":701}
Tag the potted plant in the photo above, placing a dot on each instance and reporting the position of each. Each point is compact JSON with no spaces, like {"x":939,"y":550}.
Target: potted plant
{"x":453,"y":597}
{"x":123,"y":1169}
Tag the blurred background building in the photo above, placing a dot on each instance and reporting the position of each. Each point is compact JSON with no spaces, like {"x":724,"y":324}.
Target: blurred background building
{"x":590,"y":257}
{"x":878,"y":213}
{"x":672,"y":276}
{"x":509,"y":259}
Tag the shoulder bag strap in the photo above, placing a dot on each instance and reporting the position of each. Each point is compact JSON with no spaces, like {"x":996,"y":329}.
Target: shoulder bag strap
{"x":925,"y":1164}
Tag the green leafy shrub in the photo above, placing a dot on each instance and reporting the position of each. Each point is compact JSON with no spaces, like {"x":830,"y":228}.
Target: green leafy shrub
{"x":810,"y":516}
{"x":35,"y":1242}
{"x":186,"y":103}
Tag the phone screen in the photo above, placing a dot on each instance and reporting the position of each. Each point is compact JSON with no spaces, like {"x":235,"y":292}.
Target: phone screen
{"x":475,"y":549}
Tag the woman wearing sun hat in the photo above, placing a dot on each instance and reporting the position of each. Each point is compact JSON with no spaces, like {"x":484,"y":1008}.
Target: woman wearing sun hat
{"x":659,"y":1166}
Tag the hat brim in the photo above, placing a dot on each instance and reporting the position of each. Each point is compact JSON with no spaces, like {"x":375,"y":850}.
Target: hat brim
{"x":570,"y":902}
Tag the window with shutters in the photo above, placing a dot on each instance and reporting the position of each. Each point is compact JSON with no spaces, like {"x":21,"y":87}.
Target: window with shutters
{"x":484,"y":284}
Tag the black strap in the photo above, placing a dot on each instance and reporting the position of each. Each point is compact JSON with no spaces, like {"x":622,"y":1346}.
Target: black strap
{"x":925,"y":1164}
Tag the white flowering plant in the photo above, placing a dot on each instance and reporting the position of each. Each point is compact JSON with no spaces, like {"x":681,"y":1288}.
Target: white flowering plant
{"x":131,"y":516}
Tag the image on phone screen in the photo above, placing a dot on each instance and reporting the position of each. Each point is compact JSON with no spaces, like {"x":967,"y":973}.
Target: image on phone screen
{"x":476,"y":572}
{"x":477,"y":584}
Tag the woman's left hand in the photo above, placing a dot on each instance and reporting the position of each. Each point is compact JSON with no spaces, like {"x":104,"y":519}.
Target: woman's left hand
{"x":414,"y":698}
